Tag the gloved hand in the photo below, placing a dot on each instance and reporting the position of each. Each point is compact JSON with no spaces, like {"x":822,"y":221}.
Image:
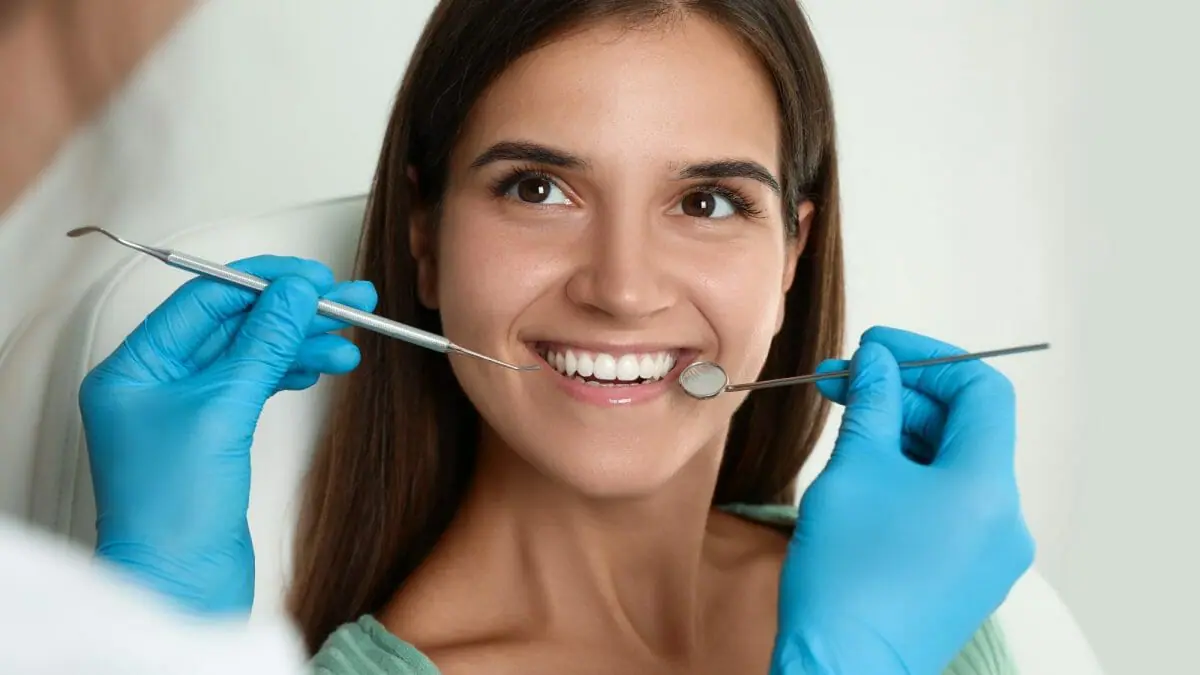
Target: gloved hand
{"x":169,"y":418}
{"x":913,"y":534}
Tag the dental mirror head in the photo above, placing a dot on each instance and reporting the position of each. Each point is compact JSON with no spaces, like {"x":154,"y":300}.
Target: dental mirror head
{"x":703,"y":380}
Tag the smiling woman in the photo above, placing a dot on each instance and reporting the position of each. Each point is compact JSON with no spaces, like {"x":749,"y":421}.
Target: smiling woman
{"x":614,"y":188}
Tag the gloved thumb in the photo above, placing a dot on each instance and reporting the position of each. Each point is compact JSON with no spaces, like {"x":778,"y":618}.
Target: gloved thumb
{"x":874,"y":415}
{"x":269,"y":340}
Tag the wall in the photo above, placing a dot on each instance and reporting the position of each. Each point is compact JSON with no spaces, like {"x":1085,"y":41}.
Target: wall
{"x":990,"y":201}
{"x":1130,"y":560}
{"x":1021,"y":171}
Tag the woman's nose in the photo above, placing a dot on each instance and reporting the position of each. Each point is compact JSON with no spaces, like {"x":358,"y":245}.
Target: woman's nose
{"x":621,"y":273}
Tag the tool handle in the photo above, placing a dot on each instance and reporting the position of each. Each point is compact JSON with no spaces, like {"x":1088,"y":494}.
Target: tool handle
{"x":328,"y":308}
{"x":923,"y":363}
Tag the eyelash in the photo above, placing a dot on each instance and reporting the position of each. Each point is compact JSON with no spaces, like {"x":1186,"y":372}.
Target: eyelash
{"x":741,"y":204}
{"x":508,"y":181}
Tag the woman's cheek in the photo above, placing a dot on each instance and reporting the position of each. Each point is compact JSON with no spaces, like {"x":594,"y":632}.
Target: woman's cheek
{"x":486,"y":282}
{"x":742,"y":303}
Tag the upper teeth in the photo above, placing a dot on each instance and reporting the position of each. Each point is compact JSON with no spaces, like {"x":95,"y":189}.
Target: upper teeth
{"x":602,"y":366}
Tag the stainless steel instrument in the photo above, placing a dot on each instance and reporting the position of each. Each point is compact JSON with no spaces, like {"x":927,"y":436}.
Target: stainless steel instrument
{"x":333,"y":310}
{"x":706,"y":379}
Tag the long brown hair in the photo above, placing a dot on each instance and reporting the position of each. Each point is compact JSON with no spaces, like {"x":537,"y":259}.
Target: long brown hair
{"x":402,"y":437}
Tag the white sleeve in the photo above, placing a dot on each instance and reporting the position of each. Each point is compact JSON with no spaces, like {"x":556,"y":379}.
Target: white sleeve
{"x":62,"y":613}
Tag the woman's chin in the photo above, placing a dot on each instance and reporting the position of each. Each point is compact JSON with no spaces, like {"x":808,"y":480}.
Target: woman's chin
{"x":608,"y":473}
{"x":614,"y":457}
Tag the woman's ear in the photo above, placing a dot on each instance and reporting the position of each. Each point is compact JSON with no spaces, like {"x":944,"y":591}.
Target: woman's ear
{"x":423,"y":245}
{"x":795,"y":248}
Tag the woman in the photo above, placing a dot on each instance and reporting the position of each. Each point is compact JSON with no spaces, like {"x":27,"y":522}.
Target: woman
{"x":610,"y":189}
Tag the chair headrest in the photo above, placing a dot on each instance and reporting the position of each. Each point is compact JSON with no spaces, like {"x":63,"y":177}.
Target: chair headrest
{"x":285,"y":437}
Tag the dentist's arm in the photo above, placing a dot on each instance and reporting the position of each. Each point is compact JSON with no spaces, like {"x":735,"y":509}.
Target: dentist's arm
{"x":61,"y":613}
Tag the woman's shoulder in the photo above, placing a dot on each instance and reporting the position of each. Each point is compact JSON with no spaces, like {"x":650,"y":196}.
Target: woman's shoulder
{"x":986,"y":654}
{"x":365,"y":646}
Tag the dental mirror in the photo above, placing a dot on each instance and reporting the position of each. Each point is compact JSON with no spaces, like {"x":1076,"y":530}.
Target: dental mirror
{"x":707,"y":379}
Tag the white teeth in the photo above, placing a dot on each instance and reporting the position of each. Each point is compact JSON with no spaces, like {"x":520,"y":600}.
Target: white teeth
{"x":647,"y":367}
{"x":586,"y":365}
{"x":628,"y":369}
{"x":605,"y":368}
{"x":610,"y":369}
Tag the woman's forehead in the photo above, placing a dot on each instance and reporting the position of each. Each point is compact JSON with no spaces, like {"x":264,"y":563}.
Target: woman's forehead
{"x":682,"y":92}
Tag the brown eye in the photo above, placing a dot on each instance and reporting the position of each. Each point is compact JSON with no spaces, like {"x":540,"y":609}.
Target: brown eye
{"x":699,"y":205}
{"x":534,"y":190}
{"x":532,"y":187}
{"x":707,"y":204}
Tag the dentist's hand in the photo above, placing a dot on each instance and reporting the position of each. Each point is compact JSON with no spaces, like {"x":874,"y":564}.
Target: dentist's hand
{"x":170,"y":415}
{"x":913,"y":534}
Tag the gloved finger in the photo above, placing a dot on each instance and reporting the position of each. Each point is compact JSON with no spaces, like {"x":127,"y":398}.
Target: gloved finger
{"x":217,"y":342}
{"x":834,"y":389}
{"x":980,"y":428}
{"x":331,"y":354}
{"x":320,"y":355}
{"x":923,"y":418}
{"x":162,"y":348}
{"x":916,"y":449}
{"x":941,"y":382}
{"x":873,"y":416}
{"x":265,"y":348}
{"x":357,"y":294}
{"x":298,"y":380}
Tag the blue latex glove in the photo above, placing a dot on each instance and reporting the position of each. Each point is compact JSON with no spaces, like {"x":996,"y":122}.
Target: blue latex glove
{"x":170,"y":415}
{"x":896,"y":562}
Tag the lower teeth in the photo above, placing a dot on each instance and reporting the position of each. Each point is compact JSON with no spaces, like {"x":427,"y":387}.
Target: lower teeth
{"x":595,"y":383}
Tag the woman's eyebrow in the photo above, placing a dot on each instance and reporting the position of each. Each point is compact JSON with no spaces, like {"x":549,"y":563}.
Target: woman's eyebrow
{"x":732,"y":168}
{"x":536,"y":153}
{"x":523,"y":151}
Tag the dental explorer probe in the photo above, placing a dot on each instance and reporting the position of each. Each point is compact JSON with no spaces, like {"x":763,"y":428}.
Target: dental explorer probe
{"x":706,"y":379}
{"x":333,"y":310}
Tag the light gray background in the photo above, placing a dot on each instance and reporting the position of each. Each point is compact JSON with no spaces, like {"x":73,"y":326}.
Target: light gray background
{"x":1014,"y":172}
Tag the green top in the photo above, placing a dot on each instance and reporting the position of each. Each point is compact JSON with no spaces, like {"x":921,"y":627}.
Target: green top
{"x":365,"y":647}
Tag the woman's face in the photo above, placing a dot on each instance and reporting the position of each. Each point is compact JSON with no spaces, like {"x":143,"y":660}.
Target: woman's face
{"x":613,"y":213}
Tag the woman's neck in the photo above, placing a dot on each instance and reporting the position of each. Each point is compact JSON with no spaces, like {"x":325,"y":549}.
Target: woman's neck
{"x":578,"y":565}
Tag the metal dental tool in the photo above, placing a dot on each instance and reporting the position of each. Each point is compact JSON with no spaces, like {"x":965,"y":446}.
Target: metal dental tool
{"x":705,"y":379}
{"x":333,"y":310}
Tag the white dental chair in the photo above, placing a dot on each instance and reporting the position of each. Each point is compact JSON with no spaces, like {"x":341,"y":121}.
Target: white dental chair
{"x":41,"y":368}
